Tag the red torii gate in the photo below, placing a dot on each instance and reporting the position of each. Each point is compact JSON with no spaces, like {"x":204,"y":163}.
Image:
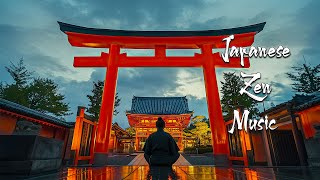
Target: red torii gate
{"x":160,"y":41}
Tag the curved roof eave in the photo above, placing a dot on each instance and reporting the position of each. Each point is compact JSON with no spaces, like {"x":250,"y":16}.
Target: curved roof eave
{"x":64,"y":27}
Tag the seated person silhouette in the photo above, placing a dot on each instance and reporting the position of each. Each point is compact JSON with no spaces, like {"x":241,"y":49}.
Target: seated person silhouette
{"x":160,"y":148}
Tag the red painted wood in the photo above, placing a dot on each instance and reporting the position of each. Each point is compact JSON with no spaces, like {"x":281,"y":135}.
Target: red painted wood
{"x":218,"y":129}
{"x":93,"y":61}
{"x":107,"y":104}
{"x":190,"y":42}
{"x":176,"y":61}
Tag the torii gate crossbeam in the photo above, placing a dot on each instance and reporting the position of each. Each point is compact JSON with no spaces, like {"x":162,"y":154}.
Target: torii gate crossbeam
{"x":160,"y":41}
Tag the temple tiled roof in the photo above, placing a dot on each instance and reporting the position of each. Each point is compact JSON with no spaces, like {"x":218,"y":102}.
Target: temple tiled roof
{"x":276,"y":108}
{"x":19,"y":109}
{"x":159,"y":105}
{"x":299,"y":102}
{"x":312,"y":102}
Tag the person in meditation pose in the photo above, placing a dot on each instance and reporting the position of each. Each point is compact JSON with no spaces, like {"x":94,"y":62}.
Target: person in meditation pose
{"x":160,"y":148}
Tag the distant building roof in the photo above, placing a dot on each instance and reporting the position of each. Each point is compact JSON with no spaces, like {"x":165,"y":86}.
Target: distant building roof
{"x":19,"y":109}
{"x":159,"y":105}
{"x":119,"y":130}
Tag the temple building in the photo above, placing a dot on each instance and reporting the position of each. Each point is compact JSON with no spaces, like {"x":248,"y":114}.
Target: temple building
{"x":146,"y":110}
{"x":120,"y":140}
{"x":32,"y":141}
{"x":295,"y":141}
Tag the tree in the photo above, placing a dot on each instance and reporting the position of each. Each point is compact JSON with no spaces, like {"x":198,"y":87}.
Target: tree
{"x":16,"y":92}
{"x":232,"y":99}
{"x":43,"y":96}
{"x":131,"y":131}
{"x":195,"y":119}
{"x":272,"y":104}
{"x":38,"y":94}
{"x":199,"y":128}
{"x":306,"y":78}
{"x":19,"y":73}
{"x":95,"y":100}
{"x":202,"y":132}
{"x":1,"y":89}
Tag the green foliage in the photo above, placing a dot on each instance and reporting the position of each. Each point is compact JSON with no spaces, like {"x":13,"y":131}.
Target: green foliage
{"x":14,"y":93}
{"x":199,"y":129}
{"x":231,"y":98}
{"x":199,"y":118}
{"x":306,"y":78}
{"x":43,"y":96}
{"x":19,"y":73}
{"x":131,"y":131}
{"x":1,"y":89}
{"x":202,"y":132}
{"x":39,"y":94}
{"x":95,"y":100}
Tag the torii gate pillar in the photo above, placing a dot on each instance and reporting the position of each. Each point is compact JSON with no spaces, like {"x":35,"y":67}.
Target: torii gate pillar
{"x":107,"y":104}
{"x":217,"y":125}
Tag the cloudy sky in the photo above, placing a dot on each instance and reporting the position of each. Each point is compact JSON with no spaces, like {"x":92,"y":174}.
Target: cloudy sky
{"x":29,"y":29}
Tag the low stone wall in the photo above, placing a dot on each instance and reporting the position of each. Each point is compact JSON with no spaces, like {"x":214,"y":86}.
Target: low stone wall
{"x":29,"y":154}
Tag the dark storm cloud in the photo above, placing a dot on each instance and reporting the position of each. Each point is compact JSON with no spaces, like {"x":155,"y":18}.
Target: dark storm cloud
{"x":149,"y":80}
{"x":130,"y":14}
{"x":215,"y":23}
{"x":16,"y":43}
{"x":308,"y":18}
{"x":40,"y":60}
{"x":12,"y":42}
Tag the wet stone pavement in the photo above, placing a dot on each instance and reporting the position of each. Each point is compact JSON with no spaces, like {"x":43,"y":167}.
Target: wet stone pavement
{"x":180,"y":172}
{"x":199,"y":159}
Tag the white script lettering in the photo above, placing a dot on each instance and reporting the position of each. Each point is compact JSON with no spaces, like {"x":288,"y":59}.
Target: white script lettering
{"x":252,"y":122}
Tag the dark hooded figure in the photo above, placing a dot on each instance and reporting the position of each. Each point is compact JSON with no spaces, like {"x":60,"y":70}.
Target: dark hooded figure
{"x":160,"y":148}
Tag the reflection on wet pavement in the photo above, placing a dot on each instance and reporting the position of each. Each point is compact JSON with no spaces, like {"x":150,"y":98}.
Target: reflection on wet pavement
{"x":182,"y":172}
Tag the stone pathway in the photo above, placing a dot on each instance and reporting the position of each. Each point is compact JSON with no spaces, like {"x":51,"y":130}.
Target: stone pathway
{"x":139,"y":160}
{"x":199,"y":159}
{"x":119,"y":159}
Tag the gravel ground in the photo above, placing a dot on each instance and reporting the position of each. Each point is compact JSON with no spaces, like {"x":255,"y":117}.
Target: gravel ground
{"x":199,"y":159}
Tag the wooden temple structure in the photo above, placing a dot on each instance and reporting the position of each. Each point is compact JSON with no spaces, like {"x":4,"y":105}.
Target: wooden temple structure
{"x":295,"y":141}
{"x":32,"y":141}
{"x":160,"y":42}
{"x":146,"y":110}
{"x":120,"y":140}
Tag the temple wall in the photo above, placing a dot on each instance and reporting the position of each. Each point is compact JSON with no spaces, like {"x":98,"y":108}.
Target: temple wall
{"x":7,"y":124}
{"x":47,"y":131}
{"x":60,"y":134}
{"x":310,"y":118}
{"x":258,"y":148}
{"x":111,"y":142}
